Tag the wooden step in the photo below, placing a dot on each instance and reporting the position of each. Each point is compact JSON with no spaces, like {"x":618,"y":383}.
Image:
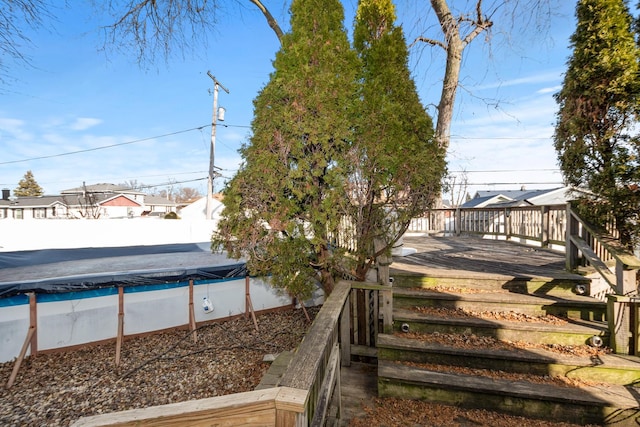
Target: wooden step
{"x":588,"y":405}
{"x":561,"y":285}
{"x":601,"y":368}
{"x":576,"y":332}
{"x":569,"y":305}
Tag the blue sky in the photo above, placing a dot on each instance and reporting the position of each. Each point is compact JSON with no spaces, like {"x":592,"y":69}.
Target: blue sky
{"x":74,"y":100}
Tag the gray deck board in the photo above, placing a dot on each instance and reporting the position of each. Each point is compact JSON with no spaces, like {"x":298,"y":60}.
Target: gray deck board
{"x":468,"y":256}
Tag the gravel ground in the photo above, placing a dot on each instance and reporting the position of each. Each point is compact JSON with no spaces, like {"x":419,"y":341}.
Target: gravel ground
{"x":55,"y":389}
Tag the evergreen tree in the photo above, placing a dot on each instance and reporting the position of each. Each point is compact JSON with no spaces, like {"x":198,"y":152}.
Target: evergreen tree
{"x":288,"y":196}
{"x":28,"y":186}
{"x":397,"y":166}
{"x":598,"y":106}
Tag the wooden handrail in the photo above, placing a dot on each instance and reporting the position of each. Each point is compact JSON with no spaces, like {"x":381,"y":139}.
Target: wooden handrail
{"x":611,"y":244}
{"x":598,"y":246}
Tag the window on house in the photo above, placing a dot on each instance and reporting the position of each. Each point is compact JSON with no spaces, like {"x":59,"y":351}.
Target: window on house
{"x":18,"y":214}
{"x":39,"y":213}
{"x":3,"y":213}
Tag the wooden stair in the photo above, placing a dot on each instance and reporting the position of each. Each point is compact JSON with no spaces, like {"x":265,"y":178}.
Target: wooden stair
{"x":516,"y":374}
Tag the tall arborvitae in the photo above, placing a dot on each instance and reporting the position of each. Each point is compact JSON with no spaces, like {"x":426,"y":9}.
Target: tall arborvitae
{"x":596,"y":130}
{"x":397,"y":166}
{"x":28,"y":186}
{"x":289,"y":193}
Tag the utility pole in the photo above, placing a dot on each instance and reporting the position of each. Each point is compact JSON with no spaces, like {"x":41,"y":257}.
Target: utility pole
{"x":216,"y":85}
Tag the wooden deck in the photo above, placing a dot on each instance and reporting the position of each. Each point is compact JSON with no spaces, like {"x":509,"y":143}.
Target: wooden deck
{"x":463,"y":256}
{"x":467,"y":256}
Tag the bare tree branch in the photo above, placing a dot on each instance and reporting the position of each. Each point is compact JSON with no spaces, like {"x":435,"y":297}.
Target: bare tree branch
{"x":16,"y":18}
{"x":270,"y":19}
{"x":432,"y":42}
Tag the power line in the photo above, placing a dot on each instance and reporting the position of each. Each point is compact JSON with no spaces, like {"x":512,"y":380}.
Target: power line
{"x":169,"y":183}
{"x":103,"y":147}
{"x":499,"y":138}
{"x":506,"y":170}
{"x":468,"y":184}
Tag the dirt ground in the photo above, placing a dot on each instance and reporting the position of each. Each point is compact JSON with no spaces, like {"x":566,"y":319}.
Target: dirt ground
{"x":55,"y":389}
{"x":409,"y":413}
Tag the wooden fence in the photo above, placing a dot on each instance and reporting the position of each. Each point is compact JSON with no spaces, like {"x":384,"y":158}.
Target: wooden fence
{"x":307,"y":389}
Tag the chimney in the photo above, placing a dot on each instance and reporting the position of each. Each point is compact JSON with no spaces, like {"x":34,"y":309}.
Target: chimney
{"x":6,"y":193}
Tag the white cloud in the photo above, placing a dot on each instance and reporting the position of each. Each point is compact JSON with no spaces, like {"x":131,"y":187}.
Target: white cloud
{"x":84,"y":123}
{"x":13,"y":128}
{"x":548,"y":77}
{"x":552,"y":89}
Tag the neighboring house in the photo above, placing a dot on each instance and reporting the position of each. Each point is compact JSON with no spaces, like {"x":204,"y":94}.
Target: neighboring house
{"x":158,"y":206}
{"x":198,"y":209}
{"x":510,"y":198}
{"x":39,"y":207}
{"x":99,"y":201}
{"x":494,"y":220}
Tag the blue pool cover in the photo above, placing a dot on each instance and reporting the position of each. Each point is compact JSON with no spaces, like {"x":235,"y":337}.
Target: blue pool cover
{"x":68,"y":270}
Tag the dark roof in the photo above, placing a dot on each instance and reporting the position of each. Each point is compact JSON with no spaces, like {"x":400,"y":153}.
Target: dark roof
{"x":158,"y":201}
{"x":513,"y":194}
{"x":482,"y":199}
{"x":33,"y":201}
{"x":102,"y":188}
{"x":514,"y":197}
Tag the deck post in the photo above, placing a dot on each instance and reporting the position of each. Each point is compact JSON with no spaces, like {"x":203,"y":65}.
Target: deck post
{"x":618,"y":315}
{"x":387,"y":310}
{"x":544,"y":226}
{"x":571,"y":250}
{"x":506,"y":214}
{"x":625,"y":279}
{"x":345,"y":332}
{"x":458,"y":221}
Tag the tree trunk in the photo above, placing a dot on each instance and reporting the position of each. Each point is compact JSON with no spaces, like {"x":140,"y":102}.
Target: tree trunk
{"x":454,"y":44}
{"x":454,"y":48}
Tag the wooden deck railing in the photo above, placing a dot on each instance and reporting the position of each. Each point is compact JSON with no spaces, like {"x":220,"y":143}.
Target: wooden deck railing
{"x":542,"y":224}
{"x":306,"y":389}
{"x":588,"y":245}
